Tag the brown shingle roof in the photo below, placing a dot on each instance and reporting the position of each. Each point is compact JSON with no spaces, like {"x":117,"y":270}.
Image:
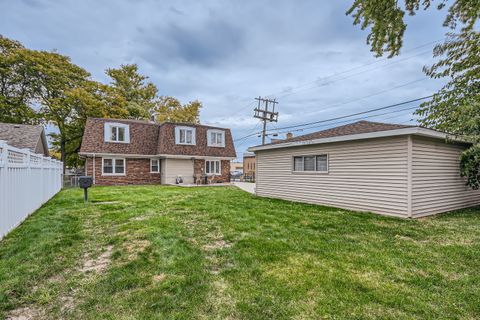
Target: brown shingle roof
{"x":143,"y":137}
{"x":166,"y":145}
{"x":24,"y":136}
{"x":348,"y":129}
{"x":148,"y":138}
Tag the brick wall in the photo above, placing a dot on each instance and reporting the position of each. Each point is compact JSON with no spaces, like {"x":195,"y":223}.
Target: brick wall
{"x":199,"y":168}
{"x":249,"y":166}
{"x":137,"y":172}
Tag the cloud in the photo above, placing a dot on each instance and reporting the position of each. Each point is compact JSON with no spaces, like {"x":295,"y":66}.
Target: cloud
{"x":207,"y":45}
{"x":307,"y":54}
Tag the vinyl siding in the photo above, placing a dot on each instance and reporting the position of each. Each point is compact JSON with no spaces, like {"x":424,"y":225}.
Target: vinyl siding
{"x":171,"y":168}
{"x":364,"y":175}
{"x":436,"y":182}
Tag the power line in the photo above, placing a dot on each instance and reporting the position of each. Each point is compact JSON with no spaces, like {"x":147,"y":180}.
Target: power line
{"x":342,"y":117}
{"x":358,"y":113}
{"x":326,"y":83}
{"x":367,"y":96}
{"x":250,"y":134}
{"x":352,"y":69}
{"x":340,"y":122}
{"x":357,"y":99}
{"x":350,"y":120}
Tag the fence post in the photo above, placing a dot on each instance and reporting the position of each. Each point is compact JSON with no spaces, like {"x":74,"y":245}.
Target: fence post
{"x":3,"y":176}
{"x":27,"y":177}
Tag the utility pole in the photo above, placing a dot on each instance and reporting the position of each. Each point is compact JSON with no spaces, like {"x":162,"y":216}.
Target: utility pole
{"x":262,"y":113}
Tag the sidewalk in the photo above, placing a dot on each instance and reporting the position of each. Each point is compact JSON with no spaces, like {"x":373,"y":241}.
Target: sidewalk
{"x":246,"y":186}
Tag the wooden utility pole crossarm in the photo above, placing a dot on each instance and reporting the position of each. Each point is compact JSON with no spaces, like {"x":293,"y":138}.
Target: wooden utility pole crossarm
{"x":263,"y":113}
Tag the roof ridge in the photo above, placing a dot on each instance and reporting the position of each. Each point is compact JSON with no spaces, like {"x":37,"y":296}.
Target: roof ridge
{"x":161,"y":123}
{"x":361,"y":126}
{"x":386,"y":123}
{"x":123,"y":119}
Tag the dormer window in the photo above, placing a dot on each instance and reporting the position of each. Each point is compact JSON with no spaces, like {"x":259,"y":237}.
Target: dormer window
{"x":185,"y":135}
{"x":216,"y":138}
{"x":117,"y":132}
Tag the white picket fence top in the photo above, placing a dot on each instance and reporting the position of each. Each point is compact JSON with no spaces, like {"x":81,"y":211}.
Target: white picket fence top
{"x":27,"y":180}
{"x":21,"y":158}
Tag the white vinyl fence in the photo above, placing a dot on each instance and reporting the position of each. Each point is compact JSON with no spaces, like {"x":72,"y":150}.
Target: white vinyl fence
{"x":27,"y":180}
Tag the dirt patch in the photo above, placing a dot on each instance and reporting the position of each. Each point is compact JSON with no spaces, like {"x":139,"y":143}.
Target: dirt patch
{"x":140,"y":218}
{"x":134,"y":247}
{"x":99,"y":264}
{"x":159,"y":277}
{"x":56,"y":278}
{"x":217,"y":244}
{"x":25,"y":313}
{"x":68,"y":303}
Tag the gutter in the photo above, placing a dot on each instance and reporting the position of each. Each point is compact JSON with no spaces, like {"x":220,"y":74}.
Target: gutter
{"x":163,"y":156}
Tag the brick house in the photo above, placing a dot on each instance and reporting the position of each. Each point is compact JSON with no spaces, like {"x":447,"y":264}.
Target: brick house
{"x":249,"y":166}
{"x":141,"y":152}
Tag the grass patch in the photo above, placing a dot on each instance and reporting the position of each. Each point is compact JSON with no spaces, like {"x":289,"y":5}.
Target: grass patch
{"x":156,"y":252}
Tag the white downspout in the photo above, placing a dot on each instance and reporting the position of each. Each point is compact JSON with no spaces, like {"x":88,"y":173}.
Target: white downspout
{"x":409,"y":176}
{"x":93,"y":168}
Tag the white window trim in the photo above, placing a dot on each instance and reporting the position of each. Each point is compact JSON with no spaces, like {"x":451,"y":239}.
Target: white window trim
{"x":315,"y":171}
{"x":107,"y":130}
{"x":209,"y":138}
{"x":177,"y":135}
{"x":151,"y":162}
{"x":219,"y":167}
{"x":113,"y":166}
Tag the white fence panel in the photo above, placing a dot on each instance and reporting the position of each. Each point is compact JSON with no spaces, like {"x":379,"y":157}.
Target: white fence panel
{"x":27,"y":180}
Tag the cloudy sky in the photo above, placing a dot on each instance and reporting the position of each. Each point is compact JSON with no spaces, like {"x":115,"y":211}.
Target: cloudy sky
{"x":307,"y":54}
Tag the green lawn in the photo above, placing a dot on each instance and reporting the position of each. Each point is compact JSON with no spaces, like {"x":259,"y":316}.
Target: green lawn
{"x":153,"y":252}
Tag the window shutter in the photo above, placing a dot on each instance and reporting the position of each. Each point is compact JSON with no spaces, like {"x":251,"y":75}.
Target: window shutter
{"x":193,"y":137}
{"x":127,"y":134}
{"x":177,"y":135}
{"x":106,"y":132}
{"x":209,"y":138}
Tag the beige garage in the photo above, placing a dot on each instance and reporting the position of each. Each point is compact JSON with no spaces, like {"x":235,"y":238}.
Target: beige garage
{"x":397,"y":170}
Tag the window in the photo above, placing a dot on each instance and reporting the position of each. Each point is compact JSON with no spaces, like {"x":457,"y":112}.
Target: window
{"x":212,"y":167}
{"x":322,"y":163}
{"x":311,"y":163}
{"x":154,"y":165}
{"x":216,"y":138}
{"x":298,"y":164}
{"x":185,"y":135}
{"x":113,"y":166}
{"x":117,"y":132}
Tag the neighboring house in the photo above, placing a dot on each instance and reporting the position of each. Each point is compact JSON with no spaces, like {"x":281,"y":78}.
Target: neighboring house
{"x":397,"y":170}
{"x":249,"y":165}
{"x":236,"y":166}
{"x":25,"y":136}
{"x":141,"y":152}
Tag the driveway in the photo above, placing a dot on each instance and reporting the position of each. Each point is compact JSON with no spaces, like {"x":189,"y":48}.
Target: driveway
{"x":246,"y":186}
